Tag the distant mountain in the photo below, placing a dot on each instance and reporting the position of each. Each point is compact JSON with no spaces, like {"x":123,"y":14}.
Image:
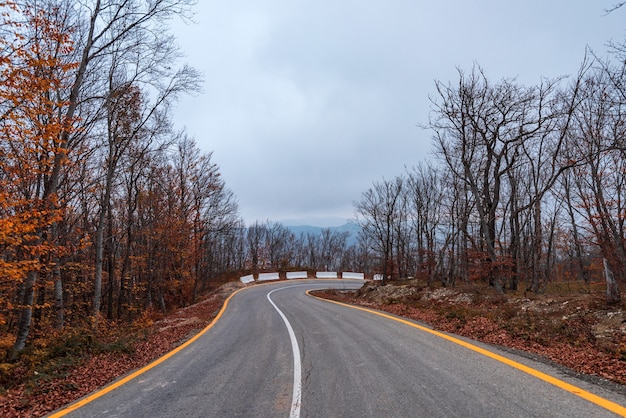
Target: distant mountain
{"x":352,"y":229}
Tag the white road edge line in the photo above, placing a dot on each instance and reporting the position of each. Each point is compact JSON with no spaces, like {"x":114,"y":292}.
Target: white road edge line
{"x":297,"y":365}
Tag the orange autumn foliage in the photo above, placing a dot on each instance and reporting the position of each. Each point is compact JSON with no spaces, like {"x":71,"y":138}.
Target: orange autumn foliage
{"x":33,"y":73}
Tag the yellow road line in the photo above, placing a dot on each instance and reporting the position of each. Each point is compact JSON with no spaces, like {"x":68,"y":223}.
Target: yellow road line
{"x":605,"y":403}
{"x":84,"y":401}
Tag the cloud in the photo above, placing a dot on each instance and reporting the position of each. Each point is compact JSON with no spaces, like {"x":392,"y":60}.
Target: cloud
{"x":307,"y":103}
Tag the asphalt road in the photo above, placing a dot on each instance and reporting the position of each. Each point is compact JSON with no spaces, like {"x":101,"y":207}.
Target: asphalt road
{"x":350,"y":363}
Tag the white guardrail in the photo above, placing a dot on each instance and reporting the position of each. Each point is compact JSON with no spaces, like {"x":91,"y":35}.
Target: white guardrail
{"x":297,"y":275}
{"x":352,"y":275}
{"x":326,"y":275}
{"x":264,"y":277}
{"x":247,"y":279}
{"x":268,"y":276}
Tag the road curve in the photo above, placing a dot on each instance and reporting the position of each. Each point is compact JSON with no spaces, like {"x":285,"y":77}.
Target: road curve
{"x":352,"y":363}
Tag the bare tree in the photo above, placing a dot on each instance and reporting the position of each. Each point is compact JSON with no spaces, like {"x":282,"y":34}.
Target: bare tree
{"x":377,"y":215}
{"x":122,"y":37}
{"x":615,"y":7}
{"x":255,"y":238}
{"x":332,"y":246}
{"x":494,"y":138}
{"x":427,"y":193}
{"x":600,"y":182}
{"x":477,"y":126}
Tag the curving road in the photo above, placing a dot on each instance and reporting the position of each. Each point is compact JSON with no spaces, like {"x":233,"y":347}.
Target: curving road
{"x":350,"y":363}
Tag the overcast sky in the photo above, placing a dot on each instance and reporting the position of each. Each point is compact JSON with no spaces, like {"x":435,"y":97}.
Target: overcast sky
{"x":306,"y":103}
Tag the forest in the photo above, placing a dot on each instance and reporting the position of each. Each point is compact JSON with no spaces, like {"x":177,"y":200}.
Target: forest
{"x":109,"y":212}
{"x":527,"y":186}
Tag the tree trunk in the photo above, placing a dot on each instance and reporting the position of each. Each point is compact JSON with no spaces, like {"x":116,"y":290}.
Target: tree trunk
{"x":27,"y":293}
{"x":99,"y":246}
{"x":536,"y":274}
{"x":111,"y":261}
{"x":612,"y":289}
{"x":126,"y":271}
{"x":97,"y":283}
{"x":58,"y":298}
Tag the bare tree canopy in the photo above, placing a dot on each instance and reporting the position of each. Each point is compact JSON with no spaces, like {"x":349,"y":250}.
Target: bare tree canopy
{"x":615,"y":7}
